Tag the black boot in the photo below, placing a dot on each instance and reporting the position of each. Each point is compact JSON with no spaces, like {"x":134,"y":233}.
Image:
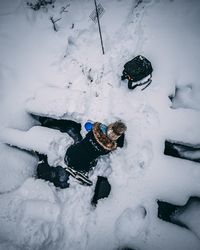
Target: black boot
{"x":57,"y":175}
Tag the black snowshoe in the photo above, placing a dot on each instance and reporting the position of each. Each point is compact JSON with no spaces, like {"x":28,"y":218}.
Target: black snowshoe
{"x":81,"y":177}
{"x":138,"y":71}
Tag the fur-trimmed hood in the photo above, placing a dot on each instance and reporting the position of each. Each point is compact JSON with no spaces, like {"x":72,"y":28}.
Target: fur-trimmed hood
{"x":102,"y":138}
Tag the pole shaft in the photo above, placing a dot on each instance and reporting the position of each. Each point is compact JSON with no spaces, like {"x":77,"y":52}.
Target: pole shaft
{"x":97,"y":13}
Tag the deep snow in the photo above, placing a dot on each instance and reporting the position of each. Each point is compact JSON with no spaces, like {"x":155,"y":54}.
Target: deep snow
{"x":64,"y":74}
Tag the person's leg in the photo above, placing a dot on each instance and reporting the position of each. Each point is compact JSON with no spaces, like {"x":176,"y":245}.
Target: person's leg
{"x":65,"y":126}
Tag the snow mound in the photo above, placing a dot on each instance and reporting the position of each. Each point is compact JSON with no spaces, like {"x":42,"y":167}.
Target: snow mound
{"x":52,"y":142}
{"x":30,"y":220}
{"x":57,"y":102}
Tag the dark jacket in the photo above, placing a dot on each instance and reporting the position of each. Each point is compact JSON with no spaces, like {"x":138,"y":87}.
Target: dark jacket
{"x":80,"y":156}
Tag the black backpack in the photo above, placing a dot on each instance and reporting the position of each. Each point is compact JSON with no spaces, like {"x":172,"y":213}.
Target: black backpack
{"x":136,"y":70}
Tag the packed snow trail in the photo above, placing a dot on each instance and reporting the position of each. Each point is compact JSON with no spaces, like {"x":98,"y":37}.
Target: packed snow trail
{"x":63,"y":74}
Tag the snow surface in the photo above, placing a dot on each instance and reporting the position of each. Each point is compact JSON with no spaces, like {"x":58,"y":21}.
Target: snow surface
{"x":64,"y":74}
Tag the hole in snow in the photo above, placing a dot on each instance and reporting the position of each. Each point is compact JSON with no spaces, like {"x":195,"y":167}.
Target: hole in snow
{"x":186,"y":216}
{"x":186,"y":97}
{"x":126,"y":248}
{"x":166,"y":210}
{"x":183,"y":151}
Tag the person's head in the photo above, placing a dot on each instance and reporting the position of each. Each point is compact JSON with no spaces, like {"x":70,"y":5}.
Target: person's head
{"x":115,"y":130}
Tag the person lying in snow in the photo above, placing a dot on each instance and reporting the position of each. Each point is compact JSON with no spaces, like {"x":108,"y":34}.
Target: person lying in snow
{"x":82,"y":156}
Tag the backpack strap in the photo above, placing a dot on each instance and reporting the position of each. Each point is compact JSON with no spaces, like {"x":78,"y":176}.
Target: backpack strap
{"x":132,"y":86}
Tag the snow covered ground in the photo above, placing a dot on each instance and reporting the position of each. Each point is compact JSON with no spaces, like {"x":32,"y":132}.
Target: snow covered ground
{"x":63,"y":74}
